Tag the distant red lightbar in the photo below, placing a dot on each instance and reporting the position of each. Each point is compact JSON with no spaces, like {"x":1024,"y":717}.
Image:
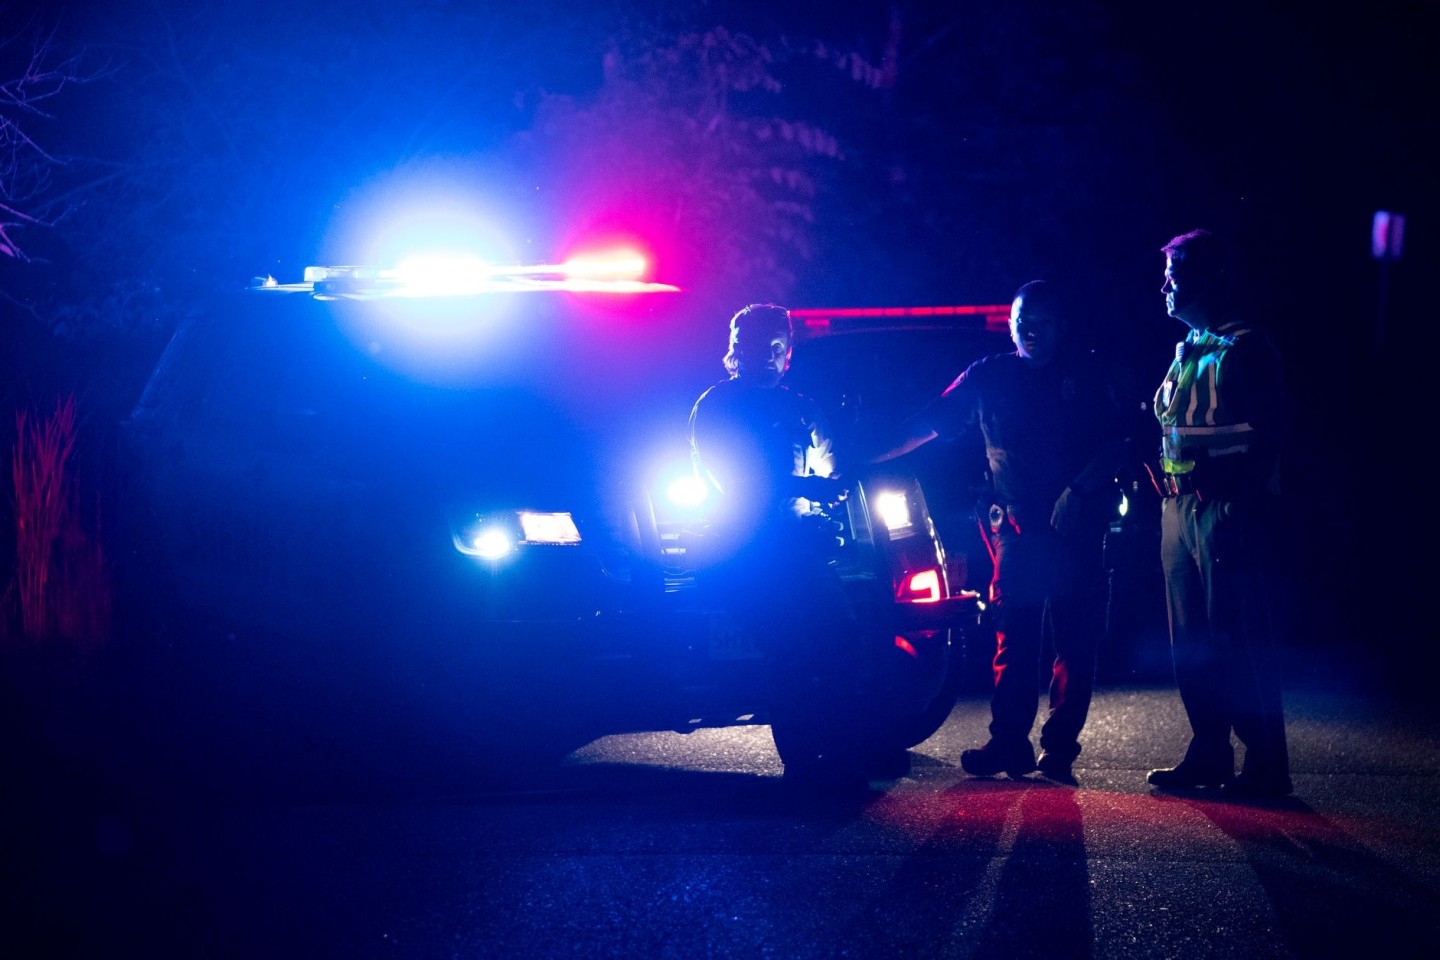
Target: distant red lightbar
{"x":819,"y":321}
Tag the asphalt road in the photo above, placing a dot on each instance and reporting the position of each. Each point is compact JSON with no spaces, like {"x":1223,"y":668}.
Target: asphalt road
{"x":689,"y":846}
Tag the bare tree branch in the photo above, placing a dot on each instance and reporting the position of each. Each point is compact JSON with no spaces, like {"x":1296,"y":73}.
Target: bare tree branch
{"x":33,"y":72}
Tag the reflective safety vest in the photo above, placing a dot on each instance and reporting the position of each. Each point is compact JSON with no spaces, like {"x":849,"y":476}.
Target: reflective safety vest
{"x":1190,"y":403}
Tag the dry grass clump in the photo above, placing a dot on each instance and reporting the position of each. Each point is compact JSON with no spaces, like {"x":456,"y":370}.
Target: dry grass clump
{"x":60,"y":591}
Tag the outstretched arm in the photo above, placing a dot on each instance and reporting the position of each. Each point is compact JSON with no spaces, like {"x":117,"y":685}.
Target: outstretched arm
{"x":911,"y":434}
{"x":883,"y":442}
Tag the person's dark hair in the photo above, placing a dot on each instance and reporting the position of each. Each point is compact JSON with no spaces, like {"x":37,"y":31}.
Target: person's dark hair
{"x":1202,"y":251}
{"x":1042,"y":294}
{"x":758,"y":322}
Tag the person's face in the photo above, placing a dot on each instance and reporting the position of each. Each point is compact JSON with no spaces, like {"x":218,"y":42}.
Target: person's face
{"x":760,"y":359}
{"x":1035,"y":330}
{"x":1184,"y":294}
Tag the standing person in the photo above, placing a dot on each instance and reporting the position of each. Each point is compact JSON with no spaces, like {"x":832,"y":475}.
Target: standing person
{"x":765,"y":450}
{"x":763,"y":447}
{"x":1052,"y":428}
{"x":1221,"y":409}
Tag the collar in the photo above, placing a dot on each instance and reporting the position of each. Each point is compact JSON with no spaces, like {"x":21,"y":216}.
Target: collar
{"x":1223,"y":335}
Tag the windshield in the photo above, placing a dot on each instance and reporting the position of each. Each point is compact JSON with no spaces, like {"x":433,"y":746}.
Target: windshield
{"x":522,"y":387}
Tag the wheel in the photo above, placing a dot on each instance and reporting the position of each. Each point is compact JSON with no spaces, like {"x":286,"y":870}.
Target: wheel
{"x":839,"y":733}
{"x":817,"y":735}
{"x":813,"y":762}
{"x":923,"y":724}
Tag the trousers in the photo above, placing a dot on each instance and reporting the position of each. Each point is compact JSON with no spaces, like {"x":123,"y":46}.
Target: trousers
{"x":1045,"y":602}
{"x":1217,"y":555}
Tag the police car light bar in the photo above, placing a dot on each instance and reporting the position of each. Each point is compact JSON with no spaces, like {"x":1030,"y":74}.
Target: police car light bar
{"x":820,"y":321}
{"x":459,"y":275}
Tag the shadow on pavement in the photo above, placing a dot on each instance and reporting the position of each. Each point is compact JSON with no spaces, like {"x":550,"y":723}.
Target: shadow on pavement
{"x":1333,"y":895}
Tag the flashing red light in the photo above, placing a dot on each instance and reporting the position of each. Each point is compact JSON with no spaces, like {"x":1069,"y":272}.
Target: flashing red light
{"x":923,"y":586}
{"x":902,"y":644}
{"x":613,"y":265}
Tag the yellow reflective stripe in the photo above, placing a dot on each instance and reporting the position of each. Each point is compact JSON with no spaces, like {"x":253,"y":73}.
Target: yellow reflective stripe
{"x":1210,"y":364}
{"x":1212,"y":431}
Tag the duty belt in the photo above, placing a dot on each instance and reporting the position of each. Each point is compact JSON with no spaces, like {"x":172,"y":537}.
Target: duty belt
{"x":1176,"y":484}
{"x":1171,"y":484}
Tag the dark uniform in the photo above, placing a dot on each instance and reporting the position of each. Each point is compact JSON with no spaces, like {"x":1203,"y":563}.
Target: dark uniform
{"x":749,"y":441}
{"x":1221,"y":412}
{"x":757,"y":445}
{"x":1042,"y":425}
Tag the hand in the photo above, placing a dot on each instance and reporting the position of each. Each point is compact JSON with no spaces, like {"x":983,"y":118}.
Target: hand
{"x":1069,"y":508}
{"x":826,"y":491}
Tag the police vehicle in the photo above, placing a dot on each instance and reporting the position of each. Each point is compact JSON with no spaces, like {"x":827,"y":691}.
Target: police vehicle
{"x":447,"y":509}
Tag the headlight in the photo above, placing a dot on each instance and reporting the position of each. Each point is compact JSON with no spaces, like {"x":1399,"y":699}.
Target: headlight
{"x":548,"y":527}
{"x":496,"y":536}
{"x":486,"y":542}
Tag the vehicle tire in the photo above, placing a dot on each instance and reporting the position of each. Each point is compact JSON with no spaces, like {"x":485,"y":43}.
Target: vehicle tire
{"x":839,"y":740}
{"x":813,"y":747}
{"x":809,"y":770}
{"x":907,"y":701}
{"x":921,"y":726}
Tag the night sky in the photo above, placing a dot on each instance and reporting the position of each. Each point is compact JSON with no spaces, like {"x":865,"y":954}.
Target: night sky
{"x":1013,"y":140}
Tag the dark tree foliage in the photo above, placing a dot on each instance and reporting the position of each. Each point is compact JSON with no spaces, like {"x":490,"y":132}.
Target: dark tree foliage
{"x":231,"y":141}
{"x":694,"y":139}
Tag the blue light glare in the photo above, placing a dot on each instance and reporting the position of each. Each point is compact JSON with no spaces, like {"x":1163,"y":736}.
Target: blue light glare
{"x":687,"y":492}
{"x":438,"y":205}
{"x":442,"y":274}
{"x":487,"y":543}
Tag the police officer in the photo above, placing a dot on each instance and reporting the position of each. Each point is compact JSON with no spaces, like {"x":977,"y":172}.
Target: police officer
{"x":764,"y":447}
{"x":1221,"y":409}
{"x":766,"y":451}
{"x":1054,"y":440}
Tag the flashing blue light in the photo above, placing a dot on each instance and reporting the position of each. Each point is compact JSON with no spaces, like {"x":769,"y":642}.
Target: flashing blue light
{"x":442,"y":274}
{"x":486,"y":541}
{"x":687,"y":492}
